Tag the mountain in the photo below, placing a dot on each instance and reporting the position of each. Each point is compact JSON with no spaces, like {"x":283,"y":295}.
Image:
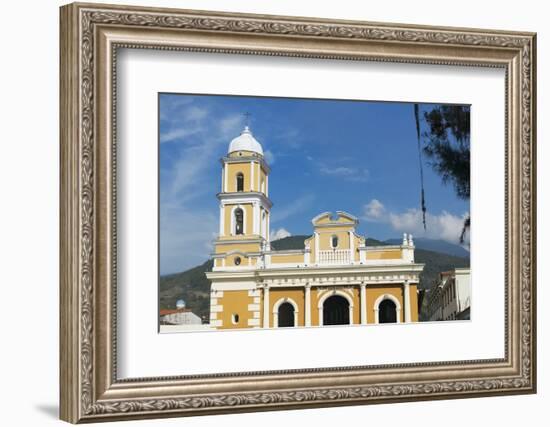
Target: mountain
{"x":290,"y":242}
{"x":435,"y":245}
{"x":297,"y":242}
{"x":194,"y":288}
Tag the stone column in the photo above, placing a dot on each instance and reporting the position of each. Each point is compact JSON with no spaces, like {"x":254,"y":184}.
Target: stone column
{"x":407,"y":301}
{"x":225,"y":184}
{"x":307,"y":308}
{"x":351,"y":248}
{"x":363,"y":303}
{"x":266,"y":306}
{"x":256,"y":218}
{"x":222,"y":220}
{"x":251,"y":176}
{"x":316,"y":247}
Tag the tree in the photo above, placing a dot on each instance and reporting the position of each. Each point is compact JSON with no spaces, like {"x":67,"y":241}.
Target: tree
{"x":447,"y":146}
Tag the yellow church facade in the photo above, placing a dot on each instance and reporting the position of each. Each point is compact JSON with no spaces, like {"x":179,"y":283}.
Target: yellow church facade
{"x":335,"y":279}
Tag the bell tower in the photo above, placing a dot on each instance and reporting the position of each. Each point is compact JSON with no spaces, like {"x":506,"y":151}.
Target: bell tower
{"x":244,"y":205}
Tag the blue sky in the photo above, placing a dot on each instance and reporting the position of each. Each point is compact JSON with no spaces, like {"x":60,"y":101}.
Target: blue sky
{"x":325,"y":155}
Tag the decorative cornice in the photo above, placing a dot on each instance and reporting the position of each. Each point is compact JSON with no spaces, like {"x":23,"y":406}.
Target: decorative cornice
{"x":312,"y":396}
{"x":246,"y":197}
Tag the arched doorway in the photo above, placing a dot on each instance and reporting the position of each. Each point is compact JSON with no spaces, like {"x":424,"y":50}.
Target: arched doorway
{"x":387,"y":312}
{"x":336,"y":311}
{"x":286,"y":315}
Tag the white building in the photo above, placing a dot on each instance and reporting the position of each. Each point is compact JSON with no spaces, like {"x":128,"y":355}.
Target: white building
{"x":449,"y":298}
{"x":179,"y":316}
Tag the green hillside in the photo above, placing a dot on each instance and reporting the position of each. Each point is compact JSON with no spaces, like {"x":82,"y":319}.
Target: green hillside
{"x":194,"y":288}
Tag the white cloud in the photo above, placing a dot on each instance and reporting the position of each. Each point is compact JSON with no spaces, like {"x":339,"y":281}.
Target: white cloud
{"x":443,"y":226}
{"x":177,"y":134}
{"x":281,"y":233}
{"x":187,"y":237}
{"x":200,"y":136}
{"x":195,"y":114}
{"x":374,"y":210}
{"x":269,"y":157}
{"x":231,"y":126}
{"x":348,"y":173}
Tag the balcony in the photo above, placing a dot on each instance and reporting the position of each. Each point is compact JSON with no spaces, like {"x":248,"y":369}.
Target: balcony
{"x":335,"y":257}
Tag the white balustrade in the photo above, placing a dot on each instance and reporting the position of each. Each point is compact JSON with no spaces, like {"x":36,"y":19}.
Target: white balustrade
{"x":335,"y":256}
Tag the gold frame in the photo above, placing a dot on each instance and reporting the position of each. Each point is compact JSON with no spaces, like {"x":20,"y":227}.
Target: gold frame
{"x":90,"y":36}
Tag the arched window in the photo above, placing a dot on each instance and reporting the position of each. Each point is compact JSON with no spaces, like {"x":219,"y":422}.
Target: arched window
{"x":286,"y":315}
{"x":239,"y":221}
{"x":336,"y":311}
{"x":240,"y":182}
{"x":334,"y":241}
{"x":387,"y":312}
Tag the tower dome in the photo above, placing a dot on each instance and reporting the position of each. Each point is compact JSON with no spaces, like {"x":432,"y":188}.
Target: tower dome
{"x":245,"y":142}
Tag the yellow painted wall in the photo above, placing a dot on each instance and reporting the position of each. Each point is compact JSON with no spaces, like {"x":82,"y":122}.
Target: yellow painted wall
{"x":297,"y":295}
{"x":384,"y":254}
{"x":248,"y":215}
{"x":235,"y":302}
{"x":280,"y":259}
{"x":325,"y":237}
{"x":341,"y":228}
{"x":232,"y":170}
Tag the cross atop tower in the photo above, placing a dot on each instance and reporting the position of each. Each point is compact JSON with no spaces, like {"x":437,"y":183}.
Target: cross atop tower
{"x":247,"y":119}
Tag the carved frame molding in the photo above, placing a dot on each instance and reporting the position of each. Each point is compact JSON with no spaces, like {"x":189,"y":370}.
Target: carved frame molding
{"x":90,"y":37}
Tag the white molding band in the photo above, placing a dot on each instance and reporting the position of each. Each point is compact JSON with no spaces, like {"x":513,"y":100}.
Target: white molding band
{"x":225,"y":173}
{"x":307,"y":304}
{"x":222,"y":219}
{"x":316,"y":234}
{"x":266,"y":307}
{"x":256,"y":218}
{"x":363,"y":288}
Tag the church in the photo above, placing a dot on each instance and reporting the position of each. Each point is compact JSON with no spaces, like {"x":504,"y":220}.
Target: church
{"x":335,"y":279}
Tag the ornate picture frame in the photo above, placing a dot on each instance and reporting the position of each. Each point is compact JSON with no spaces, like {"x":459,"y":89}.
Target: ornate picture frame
{"x":90,"y":37}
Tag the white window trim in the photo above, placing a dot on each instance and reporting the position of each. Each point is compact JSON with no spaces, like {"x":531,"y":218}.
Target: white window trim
{"x":379,"y":301}
{"x":326,"y":296}
{"x":275,"y":311}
